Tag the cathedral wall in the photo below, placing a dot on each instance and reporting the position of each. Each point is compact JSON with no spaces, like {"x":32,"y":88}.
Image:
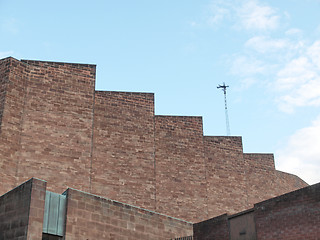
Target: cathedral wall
{"x":287,"y":182}
{"x":14,"y":76}
{"x":123,"y":147}
{"x":294,"y":215}
{"x":56,"y":127}
{"x":261,"y":177}
{"x":21,"y":211}
{"x":264,"y":182}
{"x":180,"y":168}
{"x":225,"y":174}
{"x":57,"y":122}
{"x":4,"y":79}
{"x":93,"y":217}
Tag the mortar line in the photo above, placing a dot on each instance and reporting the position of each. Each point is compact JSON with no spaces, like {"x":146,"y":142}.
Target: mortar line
{"x":92,"y":133}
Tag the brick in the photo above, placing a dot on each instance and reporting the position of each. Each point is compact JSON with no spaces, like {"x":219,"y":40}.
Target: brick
{"x":25,"y":218}
{"x":56,"y":127}
{"x":139,"y":223}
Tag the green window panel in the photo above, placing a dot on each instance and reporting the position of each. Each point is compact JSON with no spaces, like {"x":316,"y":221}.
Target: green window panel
{"x":54,"y":214}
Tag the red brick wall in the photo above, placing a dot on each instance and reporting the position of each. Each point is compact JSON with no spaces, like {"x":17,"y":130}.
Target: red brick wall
{"x":215,"y":228}
{"x":261,"y":177}
{"x":57,"y":124}
{"x":4,"y":79}
{"x":15,"y":76}
{"x":264,"y":181}
{"x":225,"y":175}
{"x":123,"y":155}
{"x":292,"y":216}
{"x":287,"y":182}
{"x":93,"y":217}
{"x":56,"y":127}
{"x":21,"y":211}
{"x":180,"y":168}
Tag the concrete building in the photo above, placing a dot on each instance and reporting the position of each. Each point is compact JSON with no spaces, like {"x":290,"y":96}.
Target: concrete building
{"x":116,"y":170}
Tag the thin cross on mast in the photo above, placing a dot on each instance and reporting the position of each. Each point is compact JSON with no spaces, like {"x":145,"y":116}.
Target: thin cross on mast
{"x":224,"y":89}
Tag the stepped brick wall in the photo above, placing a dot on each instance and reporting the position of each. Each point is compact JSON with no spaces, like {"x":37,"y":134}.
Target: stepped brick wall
{"x":92,"y":217}
{"x":123,"y":147}
{"x":226,"y":174}
{"x":86,"y":216}
{"x":258,"y":166}
{"x":4,"y":77}
{"x":294,"y":215}
{"x":13,"y":83}
{"x":180,"y":167}
{"x":21,"y":211}
{"x":56,"y":127}
{"x":214,"y":228}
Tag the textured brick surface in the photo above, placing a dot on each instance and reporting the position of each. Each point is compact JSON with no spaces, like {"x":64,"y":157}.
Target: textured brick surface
{"x":54,"y":126}
{"x":292,"y":216}
{"x":180,"y":169}
{"x":93,"y":217}
{"x":4,"y":79}
{"x":123,"y":155}
{"x":215,"y":228}
{"x":13,"y":81}
{"x":261,"y":177}
{"x":21,"y":211}
{"x":264,"y":182}
{"x":226,"y":175}
{"x":287,"y":182}
{"x":57,"y":124}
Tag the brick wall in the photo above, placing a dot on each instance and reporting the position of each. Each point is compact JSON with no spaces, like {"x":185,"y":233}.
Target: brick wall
{"x":215,"y":228}
{"x":295,"y":215}
{"x":264,"y":182}
{"x":13,"y":80}
{"x":57,"y":124}
{"x":287,"y":182}
{"x":225,"y":175}
{"x":21,"y":211}
{"x":261,"y":177}
{"x":180,"y":169}
{"x":92,"y":217}
{"x":4,"y":79}
{"x":56,"y":127}
{"x":123,"y":155}
{"x":292,"y":216}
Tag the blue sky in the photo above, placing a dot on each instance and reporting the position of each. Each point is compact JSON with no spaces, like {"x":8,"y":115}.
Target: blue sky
{"x":268,"y":52}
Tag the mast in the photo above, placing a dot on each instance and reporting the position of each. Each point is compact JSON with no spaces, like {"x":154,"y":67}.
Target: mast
{"x":224,"y":89}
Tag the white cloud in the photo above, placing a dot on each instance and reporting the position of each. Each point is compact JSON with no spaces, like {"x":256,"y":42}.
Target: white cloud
{"x":293,"y":31}
{"x":193,"y":23}
{"x":301,"y":155}
{"x":314,"y":53}
{"x":289,"y":65}
{"x":296,"y":72}
{"x":298,"y":82}
{"x":247,"y":66}
{"x":6,"y":54}
{"x":317,"y":30}
{"x":219,"y":11}
{"x":247,"y":14}
{"x":255,"y":16}
{"x":265,"y":44}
